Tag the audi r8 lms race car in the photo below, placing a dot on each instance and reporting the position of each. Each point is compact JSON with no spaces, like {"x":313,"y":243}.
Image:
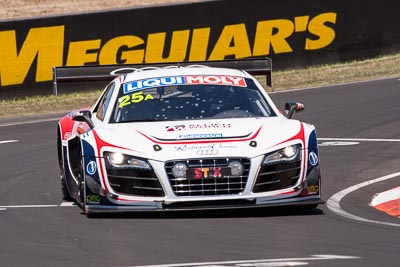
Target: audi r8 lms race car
{"x":181,"y":136}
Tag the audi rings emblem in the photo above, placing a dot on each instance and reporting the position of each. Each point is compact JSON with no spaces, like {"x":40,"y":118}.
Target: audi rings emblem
{"x":206,"y":152}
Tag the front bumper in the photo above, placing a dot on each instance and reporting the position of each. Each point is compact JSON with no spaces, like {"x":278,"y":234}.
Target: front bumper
{"x":305,"y":192}
{"x":204,"y":205}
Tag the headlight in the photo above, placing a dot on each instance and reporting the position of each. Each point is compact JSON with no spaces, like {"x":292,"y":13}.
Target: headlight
{"x":287,"y":154}
{"x":179,"y":170}
{"x":237,"y":168}
{"x":120,"y":160}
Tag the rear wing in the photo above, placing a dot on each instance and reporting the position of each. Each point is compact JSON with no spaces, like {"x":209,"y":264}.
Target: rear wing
{"x":82,"y":74}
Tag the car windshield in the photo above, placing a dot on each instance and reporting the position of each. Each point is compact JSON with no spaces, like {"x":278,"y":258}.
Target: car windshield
{"x":164,"y":99}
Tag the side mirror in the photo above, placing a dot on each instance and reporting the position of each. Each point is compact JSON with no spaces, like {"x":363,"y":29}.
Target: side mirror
{"x":84,"y":116}
{"x":293,"y":107}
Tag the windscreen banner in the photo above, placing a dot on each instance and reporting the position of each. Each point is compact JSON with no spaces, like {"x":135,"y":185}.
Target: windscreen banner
{"x":294,"y":33}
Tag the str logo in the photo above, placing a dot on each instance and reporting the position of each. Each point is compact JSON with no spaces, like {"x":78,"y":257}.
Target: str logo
{"x":207,"y":173}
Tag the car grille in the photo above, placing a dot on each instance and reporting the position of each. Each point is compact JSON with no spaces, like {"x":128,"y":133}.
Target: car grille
{"x":225,"y":185}
{"x":277,"y":176}
{"x":135,"y":182}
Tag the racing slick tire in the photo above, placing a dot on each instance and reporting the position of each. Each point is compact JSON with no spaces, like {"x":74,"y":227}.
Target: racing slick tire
{"x":65,"y":193}
{"x":80,"y":194}
{"x":64,"y":189}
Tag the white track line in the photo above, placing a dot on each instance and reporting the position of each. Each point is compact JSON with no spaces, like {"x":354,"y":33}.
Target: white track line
{"x":331,"y":85}
{"x":63,"y":204}
{"x":333,"y":202}
{"x":28,"y":206}
{"x":8,"y":141}
{"x":28,"y":122}
{"x":67,"y":204}
{"x":359,"y":139}
{"x":265,"y":262}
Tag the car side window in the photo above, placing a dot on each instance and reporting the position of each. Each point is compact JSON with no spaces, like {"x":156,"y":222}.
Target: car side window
{"x":102,"y":108}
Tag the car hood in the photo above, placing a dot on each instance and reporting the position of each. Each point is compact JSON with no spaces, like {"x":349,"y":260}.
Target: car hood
{"x":244,"y":137}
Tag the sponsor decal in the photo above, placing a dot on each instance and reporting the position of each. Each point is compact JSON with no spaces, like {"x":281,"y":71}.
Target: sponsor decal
{"x":222,"y":80}
{"x":176,"y":128}
{"x":150,"y":83}
{"x":91,"y":167}
{"x":207,"y":152}
{"x":133,"y":99}
{"x":211,"y":172}
{"x":210,"y":126}
{"x":67,"y":135}
{"x":179,"y":80}
{"x":201,"y":136}
{"x":313,"y":189}
{"x":198,"y":126}
{"x":93,"y":199}
{"x":37,"y":49}
{"x":313,"y":158}
{"x":185,"y":148}
{"x":82,"y":127}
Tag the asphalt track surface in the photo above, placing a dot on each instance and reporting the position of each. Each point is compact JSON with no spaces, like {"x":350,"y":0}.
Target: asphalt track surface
{"x":34,"y":234}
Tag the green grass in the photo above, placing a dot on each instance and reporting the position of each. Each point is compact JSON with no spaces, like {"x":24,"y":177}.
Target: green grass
{"x":382,"y":67}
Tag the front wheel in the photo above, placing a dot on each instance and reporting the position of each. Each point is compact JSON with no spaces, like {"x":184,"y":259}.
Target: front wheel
{"x":80,"y":197}
{"x":64,"y":189}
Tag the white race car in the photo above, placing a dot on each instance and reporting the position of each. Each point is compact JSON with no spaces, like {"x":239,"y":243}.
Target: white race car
{"x":185,"y":137}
